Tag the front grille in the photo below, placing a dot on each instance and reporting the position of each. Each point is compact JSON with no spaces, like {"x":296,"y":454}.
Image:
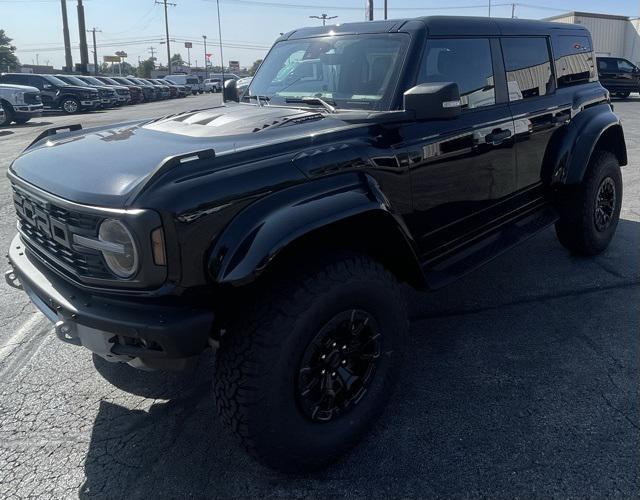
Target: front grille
{"x":47,"y":230}
{"x":32,"y":98}
{"x":122,"y":91}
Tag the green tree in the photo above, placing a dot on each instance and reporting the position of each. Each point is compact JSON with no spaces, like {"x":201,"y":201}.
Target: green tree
{"x":176,"y":60}
{"x":254,"y":67}
{"x":145,"y":68}
{"x":8,"y":59}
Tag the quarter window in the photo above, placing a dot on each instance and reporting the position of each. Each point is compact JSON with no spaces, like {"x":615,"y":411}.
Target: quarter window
{"x":465,"y":61}
{"x":575,"y":61}
{"x":528,"y":67}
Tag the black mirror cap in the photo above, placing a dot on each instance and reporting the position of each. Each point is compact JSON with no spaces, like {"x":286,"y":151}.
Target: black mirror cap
{"x":230,"y":92}
{"x":433,"y":101}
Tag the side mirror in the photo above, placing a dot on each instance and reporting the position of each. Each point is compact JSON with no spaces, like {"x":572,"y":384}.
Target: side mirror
{"x":47,"y":86}
{"x":230,"y":92}
{"x":433,"y":101}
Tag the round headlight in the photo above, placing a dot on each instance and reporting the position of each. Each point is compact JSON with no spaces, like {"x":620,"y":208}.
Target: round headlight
{"x":122,"y":257}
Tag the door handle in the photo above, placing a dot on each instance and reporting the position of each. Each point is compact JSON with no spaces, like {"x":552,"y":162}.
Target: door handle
{"x":497,"y":136}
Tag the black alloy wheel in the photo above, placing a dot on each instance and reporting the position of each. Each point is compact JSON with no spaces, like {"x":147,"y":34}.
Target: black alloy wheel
{"x":338,"y":365}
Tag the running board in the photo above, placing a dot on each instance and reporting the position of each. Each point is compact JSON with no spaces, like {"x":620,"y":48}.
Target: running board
{"x":442,"y":270}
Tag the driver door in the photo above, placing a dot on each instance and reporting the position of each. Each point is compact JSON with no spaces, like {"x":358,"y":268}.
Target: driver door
{"x":461,"y":168}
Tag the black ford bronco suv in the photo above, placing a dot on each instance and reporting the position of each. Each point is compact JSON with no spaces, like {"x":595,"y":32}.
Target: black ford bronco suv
{"x":277,"y":229}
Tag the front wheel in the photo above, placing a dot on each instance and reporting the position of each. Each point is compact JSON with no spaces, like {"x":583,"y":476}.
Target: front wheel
{"x":8,"y":114}
{"x":589,"y":212}
{"x":623,"y":95}
{"x":70,"y":105}
{"x":304,"y":374}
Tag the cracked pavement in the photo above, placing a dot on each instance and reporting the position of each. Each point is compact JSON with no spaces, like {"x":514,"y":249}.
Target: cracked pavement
{"x":521,"y":381}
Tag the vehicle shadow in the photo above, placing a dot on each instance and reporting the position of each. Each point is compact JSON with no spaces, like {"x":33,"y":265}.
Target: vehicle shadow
{"x":33,"y":124}
{"x":5,"y":132}
{"x":520,"y":378}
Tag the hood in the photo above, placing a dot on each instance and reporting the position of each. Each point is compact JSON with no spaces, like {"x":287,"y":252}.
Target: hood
{"x":104,"y":166}
{"x":24,"y":88}
{"x":78,"y":88}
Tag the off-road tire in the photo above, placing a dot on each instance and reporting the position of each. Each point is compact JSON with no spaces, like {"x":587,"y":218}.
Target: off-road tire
{"x":258,"y":363}
{"x":8,"y":114}
{"x":577,"y":229}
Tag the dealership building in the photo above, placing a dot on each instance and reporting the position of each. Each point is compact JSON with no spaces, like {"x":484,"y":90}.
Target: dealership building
{"x":615,"y":36}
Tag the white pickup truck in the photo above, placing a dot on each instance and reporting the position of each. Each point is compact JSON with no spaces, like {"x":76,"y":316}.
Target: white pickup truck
{"x":20,"y":103}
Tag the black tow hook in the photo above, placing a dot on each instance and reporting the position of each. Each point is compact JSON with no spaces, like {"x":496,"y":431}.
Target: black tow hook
{"x":12,"y":279}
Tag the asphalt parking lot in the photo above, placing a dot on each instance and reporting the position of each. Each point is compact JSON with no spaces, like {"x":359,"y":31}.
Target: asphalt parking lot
{"x":522,"y":381}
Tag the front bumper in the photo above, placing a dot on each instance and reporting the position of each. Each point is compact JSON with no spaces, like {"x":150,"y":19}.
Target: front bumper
{"x":118,"y":329}
{"x":28,"y":110}
{"x":93,"y":104}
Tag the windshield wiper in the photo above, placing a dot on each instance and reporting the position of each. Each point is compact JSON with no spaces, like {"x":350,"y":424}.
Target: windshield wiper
{"x":312,"y":100}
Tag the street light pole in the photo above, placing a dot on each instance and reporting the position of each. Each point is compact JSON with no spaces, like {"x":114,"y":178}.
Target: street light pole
{"x":323,"y":17}
{"x":95,"y":50}
{"x":220,"y":39}
{"x":206,"y":69}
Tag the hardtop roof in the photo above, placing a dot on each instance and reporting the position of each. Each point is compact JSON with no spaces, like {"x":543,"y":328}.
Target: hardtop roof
{"x":439,"y":26}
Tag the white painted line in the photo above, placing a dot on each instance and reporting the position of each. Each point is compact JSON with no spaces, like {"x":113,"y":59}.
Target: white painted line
{"x":20,"y":334}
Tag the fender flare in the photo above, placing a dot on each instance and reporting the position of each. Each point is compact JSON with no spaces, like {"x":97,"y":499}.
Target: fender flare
{"x":262,"y":230}
{"x":576,"y":145}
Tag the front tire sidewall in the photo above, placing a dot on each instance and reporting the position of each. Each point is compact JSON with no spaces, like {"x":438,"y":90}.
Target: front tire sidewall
{"x":8,"y":115}
{"x":308,"y":440}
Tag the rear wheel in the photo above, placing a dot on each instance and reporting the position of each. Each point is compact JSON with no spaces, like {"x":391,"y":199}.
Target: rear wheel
{"x":304,"y":374}
{"x":589,"y":212}
{"x":8,"y":114}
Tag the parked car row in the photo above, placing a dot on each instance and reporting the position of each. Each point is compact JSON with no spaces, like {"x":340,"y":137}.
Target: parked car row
{"x":24,"y":95}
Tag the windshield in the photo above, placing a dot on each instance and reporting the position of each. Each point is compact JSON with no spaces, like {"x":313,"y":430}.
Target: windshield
{"x":92,"y":80}
{"x":71,"y":80}
{"x":54,"y":81}
{"x":349,"y":71}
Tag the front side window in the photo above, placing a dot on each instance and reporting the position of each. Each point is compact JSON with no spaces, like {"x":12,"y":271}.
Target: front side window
{"x":528,"y":67}
{"x":347,"y":71}
{"x":625,"y":66}
{"x":575,"y":60}
{"x":465,"y":61}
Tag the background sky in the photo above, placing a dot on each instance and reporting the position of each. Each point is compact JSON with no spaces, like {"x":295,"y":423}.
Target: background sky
{"x":248,"y":26}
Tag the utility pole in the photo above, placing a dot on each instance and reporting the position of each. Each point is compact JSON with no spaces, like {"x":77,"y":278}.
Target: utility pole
{"x":513,"y":11}
{"x":221,"y":56}
{"x":95,"y":50}
{"x":206,"y":70}
{"x":84,"y":51}
{"x":489,"y":8}
{"x":385,"y":9}
{"x":67,"y":43}
{"x":370,"y":9}
{"x":166,"y":26}
{"x":324,"y":18}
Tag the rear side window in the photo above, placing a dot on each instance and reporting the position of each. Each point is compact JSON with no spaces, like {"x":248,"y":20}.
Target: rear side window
{"x":607,"y":65}
{"x":466,"y":62}
{"x":575,"y":60}
{"x":528,"y":67}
